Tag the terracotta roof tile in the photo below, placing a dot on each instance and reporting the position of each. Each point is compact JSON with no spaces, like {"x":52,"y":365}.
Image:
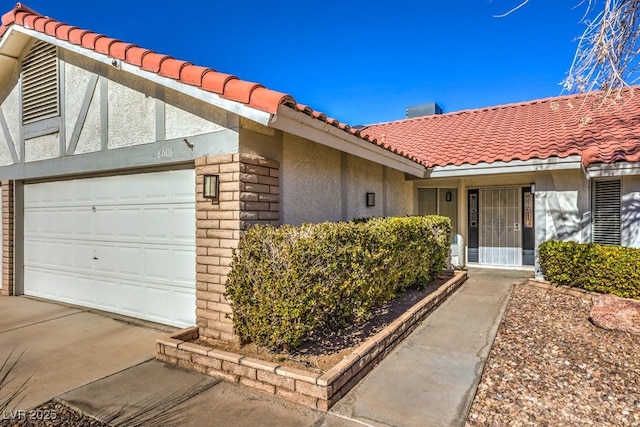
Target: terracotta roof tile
{"x":153,"y":61}
{"x":50,"y":27}
{"x":227,"y":86}
{"x":135,"y":55}
{"x":62,"y":31}
{"x":119,"y":49}
{"x":193,"y":74}
{"x":172,"y":68}
{"x":75,"y":35}
{"x":556,"y":127}
{"x":103,"y":45}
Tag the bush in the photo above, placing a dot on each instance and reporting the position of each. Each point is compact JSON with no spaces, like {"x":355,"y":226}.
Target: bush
{"x":597,"y":268}
{"x":288,"y":282}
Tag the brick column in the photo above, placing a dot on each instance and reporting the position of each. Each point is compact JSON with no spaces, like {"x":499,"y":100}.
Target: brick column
{"x":249,"y":194}
{"x":7,"y":237}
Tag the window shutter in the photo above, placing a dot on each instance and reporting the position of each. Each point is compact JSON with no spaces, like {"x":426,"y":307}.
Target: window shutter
{"x":40,"y":83}
{"x":606,"y":212}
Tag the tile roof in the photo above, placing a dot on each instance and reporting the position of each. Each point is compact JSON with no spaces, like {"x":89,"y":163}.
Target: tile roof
{"x":226,"y":86}
{"x":585,"y":125}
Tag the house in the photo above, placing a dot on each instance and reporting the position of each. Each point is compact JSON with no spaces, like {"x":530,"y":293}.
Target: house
{"x":128,"y":176}
{"x":512,"y":176}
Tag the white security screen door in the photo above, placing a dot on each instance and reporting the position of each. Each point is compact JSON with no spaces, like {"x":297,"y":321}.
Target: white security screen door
{"x":500,"y":229}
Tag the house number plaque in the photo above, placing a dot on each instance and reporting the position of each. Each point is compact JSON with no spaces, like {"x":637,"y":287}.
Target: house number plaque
{"x":528,"y":210}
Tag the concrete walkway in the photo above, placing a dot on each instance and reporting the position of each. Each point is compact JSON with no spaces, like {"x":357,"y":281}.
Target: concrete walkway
{"x":429,"y":380}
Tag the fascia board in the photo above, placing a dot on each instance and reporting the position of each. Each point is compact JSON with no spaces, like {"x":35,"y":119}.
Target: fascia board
{"x":515,"y":166}
{"x":193,"y":91}
{"x":611,"y":170}
{"x":298,"y":123}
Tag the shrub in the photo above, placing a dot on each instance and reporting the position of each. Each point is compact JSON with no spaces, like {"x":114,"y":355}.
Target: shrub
{"x":597,"y":268}
{"x":288,"y":282}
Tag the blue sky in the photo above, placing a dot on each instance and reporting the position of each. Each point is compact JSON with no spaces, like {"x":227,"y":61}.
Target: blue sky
{"x":358,"y":61}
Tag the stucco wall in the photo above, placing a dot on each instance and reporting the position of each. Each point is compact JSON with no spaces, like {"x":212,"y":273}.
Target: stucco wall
{"x":42,"y":148}
{"x":398,"y":196}
{"x":78,"y":71}
{"x":186,"y":116}
{"x":319,"y":183}
{"x":9,"y":104}
{"x":311,"y":185}
{"x":630,"y":215}
{"x":562,"y":206}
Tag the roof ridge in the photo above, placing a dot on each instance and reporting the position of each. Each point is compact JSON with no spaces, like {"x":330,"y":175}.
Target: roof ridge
{"x":516,"y":104}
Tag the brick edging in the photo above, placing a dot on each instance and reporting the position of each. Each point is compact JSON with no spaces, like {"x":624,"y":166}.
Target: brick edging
{"x":316,"y":390}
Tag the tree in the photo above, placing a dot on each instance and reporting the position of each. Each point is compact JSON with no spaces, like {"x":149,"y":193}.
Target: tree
{"x":607,"y":54}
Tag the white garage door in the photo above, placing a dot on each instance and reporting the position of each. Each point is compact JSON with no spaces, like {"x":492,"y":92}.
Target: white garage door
{"x":124,"y":244}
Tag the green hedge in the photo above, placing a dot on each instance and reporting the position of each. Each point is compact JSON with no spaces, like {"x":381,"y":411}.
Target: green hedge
{"x":288,"y":282}
{"x":597,"y":268}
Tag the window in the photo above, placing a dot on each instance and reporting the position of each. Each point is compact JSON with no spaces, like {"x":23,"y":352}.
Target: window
{"x":440,"y":201}
{"x":606,"y":212}
{"x":40,"y":83}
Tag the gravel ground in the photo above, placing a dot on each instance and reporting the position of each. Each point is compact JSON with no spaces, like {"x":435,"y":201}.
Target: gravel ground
{"x":50,"y":414}
{"x":550,"y":366}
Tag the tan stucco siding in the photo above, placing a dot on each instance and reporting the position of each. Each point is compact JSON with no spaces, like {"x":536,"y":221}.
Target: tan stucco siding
{"x":398,"y":196}
{"x":311,"y":185}
{"x":363,"y":176}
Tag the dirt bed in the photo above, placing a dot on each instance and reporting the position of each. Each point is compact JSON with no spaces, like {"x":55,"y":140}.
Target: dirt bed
{"x":325,"y":349}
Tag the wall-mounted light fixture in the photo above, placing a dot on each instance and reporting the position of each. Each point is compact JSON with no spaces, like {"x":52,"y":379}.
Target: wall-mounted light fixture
{"x":533,"y":188}
{"x":448,"y":196}
{"x":211,"y":187}
{"x":371,"y":199}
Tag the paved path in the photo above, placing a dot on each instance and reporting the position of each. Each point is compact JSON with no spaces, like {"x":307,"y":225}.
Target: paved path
{"x":431,"y":378}
{"x":428,"y":380}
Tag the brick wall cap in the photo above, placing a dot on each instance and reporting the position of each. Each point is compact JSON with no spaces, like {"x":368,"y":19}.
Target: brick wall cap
{"x":259,"y":364}
{"x":169,"y":342}
{"x":225,"y":355}
{"x":298,"y":374}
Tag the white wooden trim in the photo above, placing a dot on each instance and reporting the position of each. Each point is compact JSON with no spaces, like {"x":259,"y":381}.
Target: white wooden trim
{"x":300,"y":124}
{"x":515,"y":166}
{"x":613,"y":170}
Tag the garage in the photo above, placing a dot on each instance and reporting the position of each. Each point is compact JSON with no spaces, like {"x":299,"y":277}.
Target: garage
{"x":123,"y":244}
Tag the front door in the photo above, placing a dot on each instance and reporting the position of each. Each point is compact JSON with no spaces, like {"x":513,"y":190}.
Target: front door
{"x":496,"y":214}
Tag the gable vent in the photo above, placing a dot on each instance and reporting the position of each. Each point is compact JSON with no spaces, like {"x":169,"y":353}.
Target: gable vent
{"x":606,"y":212}
{"x":40,"y":83}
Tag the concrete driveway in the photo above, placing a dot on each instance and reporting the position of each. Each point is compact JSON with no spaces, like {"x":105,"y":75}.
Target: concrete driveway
{"x":63,"y":348}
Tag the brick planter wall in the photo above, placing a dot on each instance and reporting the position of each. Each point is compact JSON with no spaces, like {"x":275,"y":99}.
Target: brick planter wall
{"x":316,"y":390}
{"x":249,"y":195}
{"x":7,"y":237}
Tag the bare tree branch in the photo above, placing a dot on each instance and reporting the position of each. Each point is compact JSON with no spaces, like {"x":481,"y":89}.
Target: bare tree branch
{"x":512,"y":10}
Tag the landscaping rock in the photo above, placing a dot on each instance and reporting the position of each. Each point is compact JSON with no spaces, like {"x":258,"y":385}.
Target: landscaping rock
{"x":616,"y":314}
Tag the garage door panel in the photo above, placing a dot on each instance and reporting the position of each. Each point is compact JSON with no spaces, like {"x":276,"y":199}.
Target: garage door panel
{"x":183,"y":263}
{"x":183,"y":229}
{"x":82,"y":256}
{"x":183,"y":307}
{"x":160,"y":299}
{"x":124,"y":244}
{"x":83,"y":222}
{"x":130,"y":223}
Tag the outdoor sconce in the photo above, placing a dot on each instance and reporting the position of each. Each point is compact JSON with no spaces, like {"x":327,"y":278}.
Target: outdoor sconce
{"x":448,"y":196}
{"x":211,"y":187}
{"x":533,"y":188}
{"x":371,"y":199}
